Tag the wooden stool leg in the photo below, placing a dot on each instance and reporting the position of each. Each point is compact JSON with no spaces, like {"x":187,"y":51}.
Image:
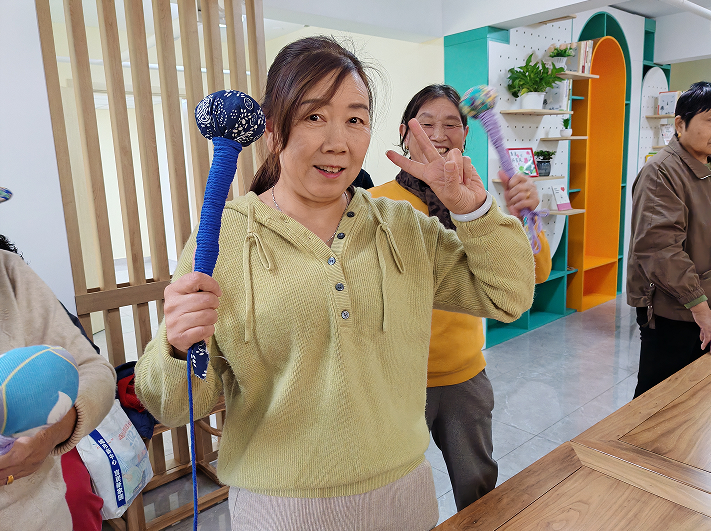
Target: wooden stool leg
{"x":135,"y":515}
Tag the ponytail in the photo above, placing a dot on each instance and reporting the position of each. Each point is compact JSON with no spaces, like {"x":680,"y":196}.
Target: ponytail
{"x":267,"y":175}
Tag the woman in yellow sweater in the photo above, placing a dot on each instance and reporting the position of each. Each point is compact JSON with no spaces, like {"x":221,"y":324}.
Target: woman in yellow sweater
{"x":318,"y":313}
{"x":459,"y":394}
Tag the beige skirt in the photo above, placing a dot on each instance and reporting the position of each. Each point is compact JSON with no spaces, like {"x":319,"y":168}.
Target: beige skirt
{"x":409,"y":504}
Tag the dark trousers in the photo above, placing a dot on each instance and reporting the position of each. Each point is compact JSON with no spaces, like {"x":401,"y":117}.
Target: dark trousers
{"x":666,"y":349}
{"x":459,"y":417}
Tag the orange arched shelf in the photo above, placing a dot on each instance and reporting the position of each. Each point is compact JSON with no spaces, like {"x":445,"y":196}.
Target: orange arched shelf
{"x":596,"y":169}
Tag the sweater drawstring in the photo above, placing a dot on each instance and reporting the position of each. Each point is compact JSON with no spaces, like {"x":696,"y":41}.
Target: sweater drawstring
{"x":264,"y":258}
{"x":383,"y":232}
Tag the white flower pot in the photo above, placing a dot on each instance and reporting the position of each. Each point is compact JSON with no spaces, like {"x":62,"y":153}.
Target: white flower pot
{"x":566,"y":133}
{"x":532,"y":100}
{"x":559,"y":61}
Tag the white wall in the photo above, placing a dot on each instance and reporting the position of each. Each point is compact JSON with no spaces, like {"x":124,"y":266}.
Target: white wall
{"x":34,"y":217}
{"x":407,"y":67}
{"x":684,"y":74}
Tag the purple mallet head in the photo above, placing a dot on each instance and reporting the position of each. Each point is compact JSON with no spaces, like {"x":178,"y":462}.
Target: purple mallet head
{"x":477,"y":100}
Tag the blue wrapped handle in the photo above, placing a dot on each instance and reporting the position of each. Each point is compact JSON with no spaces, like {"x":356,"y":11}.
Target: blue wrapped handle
{"x":232,"y":119}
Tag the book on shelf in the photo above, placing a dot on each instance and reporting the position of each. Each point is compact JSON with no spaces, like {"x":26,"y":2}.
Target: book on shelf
{"x":666,"y":101}
{"x":666,"y":131}
{"x":556,"y":98}
{"x":560,"y":195}
{"x":581,"y":56}
{"x":584,"y":56}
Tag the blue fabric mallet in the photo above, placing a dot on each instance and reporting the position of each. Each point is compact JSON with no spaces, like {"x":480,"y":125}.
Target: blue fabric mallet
{"x":232,"y":120}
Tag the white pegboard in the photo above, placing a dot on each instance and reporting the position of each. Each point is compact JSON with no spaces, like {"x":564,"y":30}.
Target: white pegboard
{"x":654,"y":82}
{"x":529,"y":131}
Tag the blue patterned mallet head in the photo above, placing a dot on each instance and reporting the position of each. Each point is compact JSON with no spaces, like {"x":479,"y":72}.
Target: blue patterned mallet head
{"x":476,"y":100}
{"x":230,"y":114}
{"x":5,"y":194}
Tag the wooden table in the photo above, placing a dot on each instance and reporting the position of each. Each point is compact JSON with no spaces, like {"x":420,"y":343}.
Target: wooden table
{"x":645,"y":467}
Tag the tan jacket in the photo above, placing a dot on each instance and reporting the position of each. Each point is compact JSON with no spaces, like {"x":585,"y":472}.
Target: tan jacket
{"x":31,"y":315}
{"x":669,"y":267}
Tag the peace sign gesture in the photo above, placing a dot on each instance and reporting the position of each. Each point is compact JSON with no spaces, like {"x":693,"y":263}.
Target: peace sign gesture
{"x":453,"y":179}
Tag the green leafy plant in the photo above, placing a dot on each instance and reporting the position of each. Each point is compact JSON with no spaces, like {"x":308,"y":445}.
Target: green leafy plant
{"x":532,"y":77}
{"x":562,"y":52}
{"x":543,"y":155}
{"x":566,"y":123}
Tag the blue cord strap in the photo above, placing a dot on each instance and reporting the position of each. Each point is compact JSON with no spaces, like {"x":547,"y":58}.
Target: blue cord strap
{"x":193,"y":459}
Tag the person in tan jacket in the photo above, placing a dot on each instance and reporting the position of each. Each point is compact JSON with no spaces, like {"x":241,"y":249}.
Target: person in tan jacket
{"x":669,"y":267}
{"x":32,"y":488}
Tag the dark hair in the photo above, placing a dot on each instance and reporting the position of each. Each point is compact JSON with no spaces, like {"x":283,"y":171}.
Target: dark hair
{"x":7,"y":245}
{"x":694,"y":101}
{"x":297,"y":69}
{"x":427,"y":94}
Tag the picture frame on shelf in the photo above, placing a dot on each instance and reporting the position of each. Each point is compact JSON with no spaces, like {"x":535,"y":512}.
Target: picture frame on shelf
{"x":666,"y":101}
{"x":523,"y":161}
{"x":560,"y":195}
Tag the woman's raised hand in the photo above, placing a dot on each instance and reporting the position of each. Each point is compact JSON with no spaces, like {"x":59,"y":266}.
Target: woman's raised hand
{"x":521,"y":193}
{"x":191,"y":310}
{"x":453,"y":179}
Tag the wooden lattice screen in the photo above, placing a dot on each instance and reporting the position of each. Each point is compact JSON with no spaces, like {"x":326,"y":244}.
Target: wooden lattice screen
{"x":117,"y":60}
{"x":125,"y":43}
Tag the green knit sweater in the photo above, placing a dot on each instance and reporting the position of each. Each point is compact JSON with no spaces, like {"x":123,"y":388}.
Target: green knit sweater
{"x":321,"y":352}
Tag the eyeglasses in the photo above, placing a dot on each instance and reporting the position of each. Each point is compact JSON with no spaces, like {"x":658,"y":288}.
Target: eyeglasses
{"x":429,"y":125}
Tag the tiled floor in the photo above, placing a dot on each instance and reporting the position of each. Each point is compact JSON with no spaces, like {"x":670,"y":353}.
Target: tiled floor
{"x":549,"y":384}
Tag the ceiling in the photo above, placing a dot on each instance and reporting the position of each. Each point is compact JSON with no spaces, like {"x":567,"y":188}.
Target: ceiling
{"x":272,"y":28}
{"x":655,"y":8}
{"x":334,"y":14}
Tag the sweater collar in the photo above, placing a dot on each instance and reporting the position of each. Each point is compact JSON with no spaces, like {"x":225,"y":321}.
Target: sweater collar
{"x":260,"y":215}
{"x":702,"y":171}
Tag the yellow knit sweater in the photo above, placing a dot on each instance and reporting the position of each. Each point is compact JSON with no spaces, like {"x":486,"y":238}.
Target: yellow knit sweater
{"x":322,"y":352}
{"x":457,"y":338}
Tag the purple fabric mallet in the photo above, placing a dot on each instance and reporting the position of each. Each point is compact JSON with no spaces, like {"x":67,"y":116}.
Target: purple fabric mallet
{"x":478,"y":103}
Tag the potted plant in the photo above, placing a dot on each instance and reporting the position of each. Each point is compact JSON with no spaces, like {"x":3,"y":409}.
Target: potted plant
{"x":560,"y":55}
{"x":530,"y":81}
{"x":543,"y":162}
{"x":566,"y":131}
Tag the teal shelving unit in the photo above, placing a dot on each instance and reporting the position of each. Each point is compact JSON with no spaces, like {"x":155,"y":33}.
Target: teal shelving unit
{"x":650,"y":28}
{"x":466,"y":63}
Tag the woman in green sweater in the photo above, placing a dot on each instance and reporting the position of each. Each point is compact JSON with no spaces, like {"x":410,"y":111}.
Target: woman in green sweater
{"x":318,"y":312}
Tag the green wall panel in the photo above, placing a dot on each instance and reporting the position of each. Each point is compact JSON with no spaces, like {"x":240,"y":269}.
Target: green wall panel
{"x":466,"y":64}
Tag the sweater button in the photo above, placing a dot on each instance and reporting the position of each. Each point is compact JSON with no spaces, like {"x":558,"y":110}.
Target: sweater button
{"x":339,"y":287}
{"x":345,"y":314}
{"x":331,"y":261}
{"x":341,"y":235}
{"x":350,"y":214}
